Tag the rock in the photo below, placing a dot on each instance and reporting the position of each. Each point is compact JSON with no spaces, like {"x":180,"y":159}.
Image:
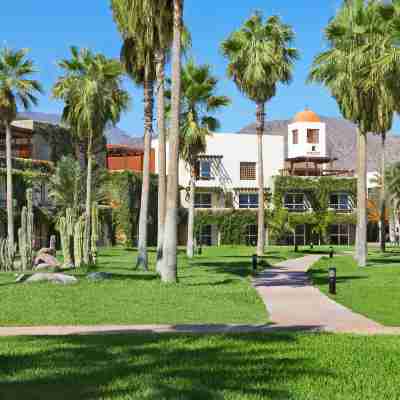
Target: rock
{"x":21,"y":278}
{"x":44,"y":258}
{"x":47,"y":250}
{"x":99,"y":276}
{"x":58,"y":278}
{"x":42,"y":267}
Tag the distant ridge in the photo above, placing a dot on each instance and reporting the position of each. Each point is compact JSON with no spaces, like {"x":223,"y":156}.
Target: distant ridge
{"x":341,"y":142}
{"x":114,"y":135}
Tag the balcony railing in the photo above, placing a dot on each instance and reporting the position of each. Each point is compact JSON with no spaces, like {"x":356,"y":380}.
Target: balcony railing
{"x":316,"y":172}
{"x":295,"y":207}
{"x":341,"y":207}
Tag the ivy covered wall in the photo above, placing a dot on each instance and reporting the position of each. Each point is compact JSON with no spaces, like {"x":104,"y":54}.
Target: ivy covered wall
{"x":232,"y":224}
{"x":125,"y":193}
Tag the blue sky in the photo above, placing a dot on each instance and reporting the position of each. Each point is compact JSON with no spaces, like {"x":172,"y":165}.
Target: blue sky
{"x":49,"y":27}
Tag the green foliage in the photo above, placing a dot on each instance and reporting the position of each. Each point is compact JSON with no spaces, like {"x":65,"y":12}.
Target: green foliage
{"x":16,"y":87}
{"x":125,"y":192}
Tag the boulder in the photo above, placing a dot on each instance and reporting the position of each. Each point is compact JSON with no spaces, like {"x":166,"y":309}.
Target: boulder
{"x":21,"y":278}
{"x":99,"y":276}
{"x":47,"y":250}
{"x":42,"y":267}
{"x":44,"y":258}
{"x":58,"y":278}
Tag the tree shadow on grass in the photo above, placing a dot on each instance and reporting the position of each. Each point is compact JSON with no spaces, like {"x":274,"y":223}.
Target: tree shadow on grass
{"x":240,"y":268}
{"x":155,"y":367}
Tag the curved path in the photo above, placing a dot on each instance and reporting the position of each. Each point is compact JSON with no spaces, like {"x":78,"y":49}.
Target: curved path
{"x":292,"y":301}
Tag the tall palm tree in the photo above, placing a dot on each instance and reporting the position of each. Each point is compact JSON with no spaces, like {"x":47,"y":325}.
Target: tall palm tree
{"x":260,"y":57}
{"x":16,"y":88}
{"x":169,"y":263}
{"x":198,"y":102}
{"x":392,"y":177}
{"x":357,"y":38}
{"x":93,"y":97}
{"x":146,"y":29}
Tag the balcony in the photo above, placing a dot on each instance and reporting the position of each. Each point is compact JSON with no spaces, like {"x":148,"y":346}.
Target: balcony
{"x":316,"y":172}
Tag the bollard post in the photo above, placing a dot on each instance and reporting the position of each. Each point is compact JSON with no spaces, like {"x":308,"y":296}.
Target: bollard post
{"x":254,"y":261}
{"x":311,"y":245}
{"x":296,"y":248}
{"x":331,"y":252}
{"x":332,"y":280}
{"x":200,"y":250}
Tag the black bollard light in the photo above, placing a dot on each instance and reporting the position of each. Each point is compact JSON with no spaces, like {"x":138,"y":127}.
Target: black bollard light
{"x":200,"y":251}
{"x":254,"y":261}
{"x":331,"y":252}
{"x":296,"y":248}
{"x":332,"y":280}
{"x":311,"y":245}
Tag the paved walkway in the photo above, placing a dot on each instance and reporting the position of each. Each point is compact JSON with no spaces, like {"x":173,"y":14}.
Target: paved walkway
{"x":293,"y":302}
{"x":293,"y":305}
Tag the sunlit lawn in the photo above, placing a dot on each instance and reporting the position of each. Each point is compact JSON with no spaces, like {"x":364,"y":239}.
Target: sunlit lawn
{"x":373,"y":291}
{"x":221,"y":367}
{"x":213,"y":288}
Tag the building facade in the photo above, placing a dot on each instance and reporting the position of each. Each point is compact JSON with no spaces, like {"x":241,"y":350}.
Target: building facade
{"x":307,"y":198}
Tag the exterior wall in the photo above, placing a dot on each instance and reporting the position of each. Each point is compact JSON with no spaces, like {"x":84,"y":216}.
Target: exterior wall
{"x":130,"y":163}
{"x":233,"y":148}
{"x":303,"y":148}
{"x":40,"y":148}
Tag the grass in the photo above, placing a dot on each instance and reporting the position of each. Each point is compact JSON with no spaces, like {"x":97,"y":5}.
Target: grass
{"x":213,"y":288}
{"x":373,"y":291}
{"x":229,"y":367}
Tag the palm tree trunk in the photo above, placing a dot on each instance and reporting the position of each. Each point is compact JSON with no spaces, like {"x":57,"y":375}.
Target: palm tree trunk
{"x":142,"y":260}
{"x":383,"y":197}
{"x":361,"y":246}
{"x":162,"y":175}
{"x":169,"y":265}
{"x":87,"y":259}
{"x":10,"y":209}
{"x":260,"y":178}
{"x":190,"y":240}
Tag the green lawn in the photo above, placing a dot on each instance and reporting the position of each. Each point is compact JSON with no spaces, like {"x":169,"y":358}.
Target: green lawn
{"x":251,"y":367}
{"x":213,"y":288}
{"x":373,"y":291}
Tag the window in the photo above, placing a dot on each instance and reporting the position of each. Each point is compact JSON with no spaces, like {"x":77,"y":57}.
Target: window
{"x":251,"y":235}
{"x":248,"y":200}
{"x":339,"y":201}
{"x":204,"y":238}
{"x":202,"y":200}
{"x":340,"y":234}
{"x":203,"y":170}
{"x":295,"y":136}
{"x":313,"y":136}
{"x":294,"y":201}
{"x":298,"y":236}
{"x":247,"y":171}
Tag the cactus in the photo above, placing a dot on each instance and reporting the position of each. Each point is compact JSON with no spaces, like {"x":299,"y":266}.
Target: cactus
{"x":95,"y":231}
{"x":25,"y":234}
{"x":65,"y":240}
{"x":7,"y":255}
{"x":78,"y":241}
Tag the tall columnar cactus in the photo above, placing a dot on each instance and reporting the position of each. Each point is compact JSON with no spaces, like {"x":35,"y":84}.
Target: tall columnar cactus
{"x":7,"y":255}
{"x":25,"y":233}
{"x":65,"y":240}
{"x":78,"y":241}
{"x":95,"y":231}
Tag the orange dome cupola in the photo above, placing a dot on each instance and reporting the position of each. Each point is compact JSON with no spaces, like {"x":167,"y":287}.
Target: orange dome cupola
{"x":306,"y":116}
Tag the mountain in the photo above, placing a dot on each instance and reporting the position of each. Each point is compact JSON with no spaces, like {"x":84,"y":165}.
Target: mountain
{"x":341,"y":142}
{"x":113,"y":134}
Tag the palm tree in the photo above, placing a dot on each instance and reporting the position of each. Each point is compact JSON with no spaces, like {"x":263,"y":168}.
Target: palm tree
{"x":146,"y":29}
{"x":260,"y":57}
{"x":16,"y":88}
{"x":169,"y":263}
{"x":392,"y":177}
{"x":357,"y":39}
{"x":198,"y":103}
{"x":91,"y":90}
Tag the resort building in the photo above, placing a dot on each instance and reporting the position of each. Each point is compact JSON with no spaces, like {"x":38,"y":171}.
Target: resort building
{"x":310,"y":191}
